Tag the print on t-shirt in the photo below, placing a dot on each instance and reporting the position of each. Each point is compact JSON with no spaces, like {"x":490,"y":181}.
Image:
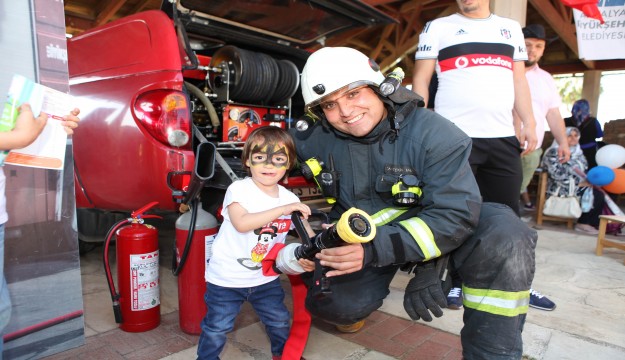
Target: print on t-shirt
{"x":264,"y":241}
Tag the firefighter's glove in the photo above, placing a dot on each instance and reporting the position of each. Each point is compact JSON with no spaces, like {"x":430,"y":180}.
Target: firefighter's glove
{"x":424,"y":293}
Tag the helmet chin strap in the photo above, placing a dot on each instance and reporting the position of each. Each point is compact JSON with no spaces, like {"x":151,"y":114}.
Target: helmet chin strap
{"x":390,"y":111}
{"x":400,"y":97}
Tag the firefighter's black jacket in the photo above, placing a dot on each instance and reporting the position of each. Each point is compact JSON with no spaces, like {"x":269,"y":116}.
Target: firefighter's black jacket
{"x":423,"y":144}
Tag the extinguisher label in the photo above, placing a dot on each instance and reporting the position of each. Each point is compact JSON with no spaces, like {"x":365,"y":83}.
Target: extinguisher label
{"x":144,"y":282}
{"x":208,"y":247}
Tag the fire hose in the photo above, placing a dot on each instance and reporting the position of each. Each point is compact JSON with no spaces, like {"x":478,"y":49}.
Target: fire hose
{"x":354,"y":226}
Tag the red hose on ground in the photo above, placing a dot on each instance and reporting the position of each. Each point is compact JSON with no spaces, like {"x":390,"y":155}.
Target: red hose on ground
{"x":300,"y":328}
{"x":42,"y":325}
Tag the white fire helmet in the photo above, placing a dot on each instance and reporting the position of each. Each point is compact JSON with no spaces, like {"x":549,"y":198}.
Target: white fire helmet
{"x":330,"y":69}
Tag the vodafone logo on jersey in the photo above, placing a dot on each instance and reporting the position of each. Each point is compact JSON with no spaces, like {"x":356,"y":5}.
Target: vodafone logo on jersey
{"x":472,"y":60}
{"x":491,"y":60}
{"x":461,"y":62}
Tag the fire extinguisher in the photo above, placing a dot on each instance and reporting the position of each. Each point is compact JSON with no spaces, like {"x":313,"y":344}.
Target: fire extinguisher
{"x":137,"y":305}
{"x":195,"y":232}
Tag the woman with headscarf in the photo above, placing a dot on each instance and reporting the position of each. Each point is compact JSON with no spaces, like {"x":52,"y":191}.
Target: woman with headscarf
{"x":589,"y":129}
{"x":561,"y":174}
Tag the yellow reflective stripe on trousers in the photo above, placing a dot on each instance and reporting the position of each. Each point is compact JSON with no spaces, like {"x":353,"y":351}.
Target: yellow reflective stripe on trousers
{"x":504,"y":303}
{"x":387,"y":215}
{"x":423,"y":236}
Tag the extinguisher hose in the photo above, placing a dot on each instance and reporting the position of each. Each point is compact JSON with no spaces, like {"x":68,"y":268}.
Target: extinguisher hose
{"x":176,"y":267}
{"x":107,"y":269}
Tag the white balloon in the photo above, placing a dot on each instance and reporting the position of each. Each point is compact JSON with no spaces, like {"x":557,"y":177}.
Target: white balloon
{"x":612,"y":156}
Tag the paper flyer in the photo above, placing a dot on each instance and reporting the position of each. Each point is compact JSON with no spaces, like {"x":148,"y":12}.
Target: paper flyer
{"x":48,"y":151}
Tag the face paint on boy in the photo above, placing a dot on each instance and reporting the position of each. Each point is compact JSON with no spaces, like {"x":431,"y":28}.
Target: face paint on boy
{"x":269,"y":154}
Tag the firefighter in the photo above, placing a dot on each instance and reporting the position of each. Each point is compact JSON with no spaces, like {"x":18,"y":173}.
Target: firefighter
{"x":387,"y":147}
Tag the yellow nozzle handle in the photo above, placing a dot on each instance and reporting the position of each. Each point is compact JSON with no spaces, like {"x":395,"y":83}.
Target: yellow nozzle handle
{"x":347,"y":234}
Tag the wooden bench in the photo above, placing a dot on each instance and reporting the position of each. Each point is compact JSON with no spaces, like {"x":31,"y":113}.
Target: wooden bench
{"x":601,"y":240}
{"x":541,"y":197}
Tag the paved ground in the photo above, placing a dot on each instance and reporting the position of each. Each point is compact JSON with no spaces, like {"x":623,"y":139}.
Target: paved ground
{"x":589,"y":322}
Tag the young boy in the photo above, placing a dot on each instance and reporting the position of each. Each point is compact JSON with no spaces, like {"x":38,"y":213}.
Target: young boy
{"x":257,"y":215}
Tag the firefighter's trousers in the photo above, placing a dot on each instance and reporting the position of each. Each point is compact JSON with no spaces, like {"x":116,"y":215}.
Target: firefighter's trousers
{"x":497,"y":268}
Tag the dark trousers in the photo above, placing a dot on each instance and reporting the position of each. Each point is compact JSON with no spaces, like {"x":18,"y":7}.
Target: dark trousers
{"x":592,"y":217}
{"x":499,"y":256}
{"x":496,"y":164}
{"x":354,"y":296}
{"x":590,"y":154}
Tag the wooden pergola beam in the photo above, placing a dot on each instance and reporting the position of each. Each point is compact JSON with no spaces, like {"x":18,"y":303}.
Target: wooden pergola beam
{"x":388,"y":29}
{"x":109,"y":11}
{"x":562,"y":27}
{"x":140,"y":6}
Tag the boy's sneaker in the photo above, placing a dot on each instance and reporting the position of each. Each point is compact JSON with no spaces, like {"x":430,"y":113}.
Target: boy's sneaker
{"x":540,"y":301}
{"x":454,"y":299}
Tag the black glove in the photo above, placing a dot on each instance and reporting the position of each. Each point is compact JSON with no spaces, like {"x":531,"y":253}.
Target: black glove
{"x":424,"y":292}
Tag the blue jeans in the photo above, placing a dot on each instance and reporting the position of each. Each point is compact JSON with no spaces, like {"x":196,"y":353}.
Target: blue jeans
{"x":5,"y":300}
{"x":224,"y":305}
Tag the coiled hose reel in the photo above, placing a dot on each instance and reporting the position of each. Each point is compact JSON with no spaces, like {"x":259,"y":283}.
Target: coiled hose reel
{"x":252,"y":77}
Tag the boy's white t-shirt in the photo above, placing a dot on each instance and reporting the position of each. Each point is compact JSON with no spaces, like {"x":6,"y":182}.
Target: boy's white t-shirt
{"x":236,"y":259}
